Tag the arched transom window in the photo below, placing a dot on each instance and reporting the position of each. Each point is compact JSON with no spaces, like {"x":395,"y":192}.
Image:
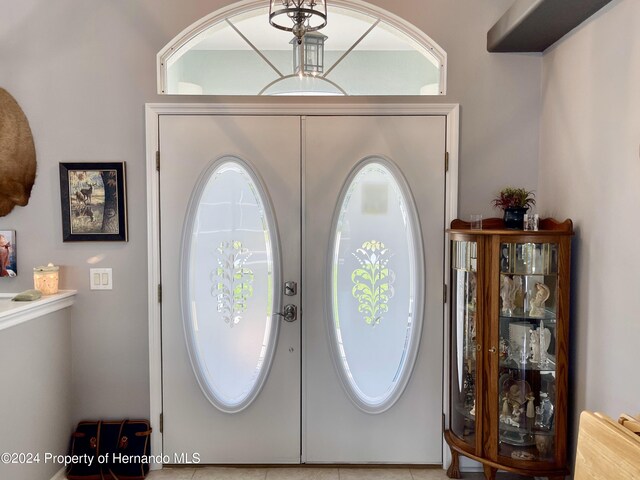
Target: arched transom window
{"x":363,"y":50}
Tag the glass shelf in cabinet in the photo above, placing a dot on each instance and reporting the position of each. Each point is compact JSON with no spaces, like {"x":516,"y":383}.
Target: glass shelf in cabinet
{"x":549,"y":316}
{"x":517,"y":438}
{"x":525,"y":430}
{"x":530,"y":366}
{"x":528,"y":274}
{"x":528,"y":444}
{"x":528,"y":453}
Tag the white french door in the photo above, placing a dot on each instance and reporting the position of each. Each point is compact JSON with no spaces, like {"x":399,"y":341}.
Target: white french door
{"x":230,"y":235}
{"x":373,"y":243}
{"x":353,"y":373}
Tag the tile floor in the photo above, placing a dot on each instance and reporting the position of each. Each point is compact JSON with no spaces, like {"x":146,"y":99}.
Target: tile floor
{"x":310,"y":473}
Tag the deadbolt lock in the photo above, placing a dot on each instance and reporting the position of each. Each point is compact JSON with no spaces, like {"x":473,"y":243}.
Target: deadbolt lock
{"x":290,"y":289}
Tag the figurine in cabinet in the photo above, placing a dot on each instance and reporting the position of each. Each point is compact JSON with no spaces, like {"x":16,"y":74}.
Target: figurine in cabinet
{"x":537,"y":304}
{"x":468,"y":387}
{"x":544,"y":444}
{"x":515,"y":396}
{"x":505,"y":349}
{"x":540,"y":341}
{"x":531,"y":410}
{"x":511,"y":286}
{"x":473,"y":289}
{"x":534,"y":336}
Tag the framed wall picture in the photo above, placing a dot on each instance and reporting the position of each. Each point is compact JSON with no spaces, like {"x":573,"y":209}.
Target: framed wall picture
{"x":94,"y":202}
{"x":8,"y":256}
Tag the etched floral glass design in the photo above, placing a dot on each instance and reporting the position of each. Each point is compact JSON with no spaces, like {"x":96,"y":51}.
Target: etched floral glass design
{"x":376,"y":278}
{"x":373,"y":281}
{"x":232,"y":284}
{"x":229,"y":273}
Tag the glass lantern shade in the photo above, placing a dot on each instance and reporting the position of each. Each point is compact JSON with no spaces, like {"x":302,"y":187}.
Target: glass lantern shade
{"x":308,"y":56}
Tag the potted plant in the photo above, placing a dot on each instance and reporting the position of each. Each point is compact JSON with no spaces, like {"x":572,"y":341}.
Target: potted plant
{"x":515,"y":202}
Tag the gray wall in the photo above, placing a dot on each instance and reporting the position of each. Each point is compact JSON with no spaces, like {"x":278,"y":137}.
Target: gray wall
{"x":590,"y":171}
{"x":82,"y":71}
{"x":35,"y":403}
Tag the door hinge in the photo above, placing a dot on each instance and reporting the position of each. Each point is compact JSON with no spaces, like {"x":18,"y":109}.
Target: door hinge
{"x":159,"y":293}
{"x":158,"y":160}
{"x":445,"y":292}
{"x":161,"y":422}
{"x":446,"y":161}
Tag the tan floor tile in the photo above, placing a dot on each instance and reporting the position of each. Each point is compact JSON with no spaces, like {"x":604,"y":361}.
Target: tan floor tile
{"x":171,"y":474}
{"x":305,"y":473}
{"x":429,"y":474}
{"x":229,"y":473}
{"x":375,"y":474}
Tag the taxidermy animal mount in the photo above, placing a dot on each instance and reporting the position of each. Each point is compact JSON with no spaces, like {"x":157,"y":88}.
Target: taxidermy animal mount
{"x":17,"y":155}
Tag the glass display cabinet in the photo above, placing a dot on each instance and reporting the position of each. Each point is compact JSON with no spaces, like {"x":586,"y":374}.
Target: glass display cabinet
{"x":508,"y":344}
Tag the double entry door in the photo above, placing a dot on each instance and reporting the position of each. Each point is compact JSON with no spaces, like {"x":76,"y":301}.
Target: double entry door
{"x":302,"y":263}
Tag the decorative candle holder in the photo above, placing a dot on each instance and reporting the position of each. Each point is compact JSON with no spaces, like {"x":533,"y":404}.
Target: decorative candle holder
{"x":46,"y":278}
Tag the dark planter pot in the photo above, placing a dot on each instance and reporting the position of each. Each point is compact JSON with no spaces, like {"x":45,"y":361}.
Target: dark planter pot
{"x":514,"y":217}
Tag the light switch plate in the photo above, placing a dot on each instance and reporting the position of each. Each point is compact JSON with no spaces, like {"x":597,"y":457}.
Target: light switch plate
{"x":101,"y":278}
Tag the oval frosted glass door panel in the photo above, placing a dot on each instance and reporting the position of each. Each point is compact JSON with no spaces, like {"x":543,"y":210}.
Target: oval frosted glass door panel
{"x":230,"y":266}
{"x":376,"y":282}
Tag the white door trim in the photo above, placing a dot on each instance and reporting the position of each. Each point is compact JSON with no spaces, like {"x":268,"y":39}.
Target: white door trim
{"x":152,"y":115}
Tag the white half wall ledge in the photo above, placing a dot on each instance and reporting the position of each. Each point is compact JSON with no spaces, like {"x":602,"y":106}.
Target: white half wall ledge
{"x":15,"y":313}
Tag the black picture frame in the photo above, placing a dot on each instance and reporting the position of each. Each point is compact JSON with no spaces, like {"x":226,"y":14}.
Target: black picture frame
{"x":94,"y":202}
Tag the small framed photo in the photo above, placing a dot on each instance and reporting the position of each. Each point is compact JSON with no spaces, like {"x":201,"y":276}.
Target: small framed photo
{"x":8,"y":257}
{"x":94,"y":202}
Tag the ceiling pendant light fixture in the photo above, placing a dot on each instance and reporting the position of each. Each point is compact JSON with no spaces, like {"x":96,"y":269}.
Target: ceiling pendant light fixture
{"x":298,"y":16}
{"x":308,"y":55}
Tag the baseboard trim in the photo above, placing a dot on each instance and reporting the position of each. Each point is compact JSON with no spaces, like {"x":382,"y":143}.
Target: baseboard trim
{"x":60,"y":474}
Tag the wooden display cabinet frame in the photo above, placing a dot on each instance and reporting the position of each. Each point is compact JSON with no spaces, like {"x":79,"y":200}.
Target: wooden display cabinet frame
{"x":487,"y":360}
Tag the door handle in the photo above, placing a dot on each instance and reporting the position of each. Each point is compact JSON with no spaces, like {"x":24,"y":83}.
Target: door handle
{"x":290,"y":313}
